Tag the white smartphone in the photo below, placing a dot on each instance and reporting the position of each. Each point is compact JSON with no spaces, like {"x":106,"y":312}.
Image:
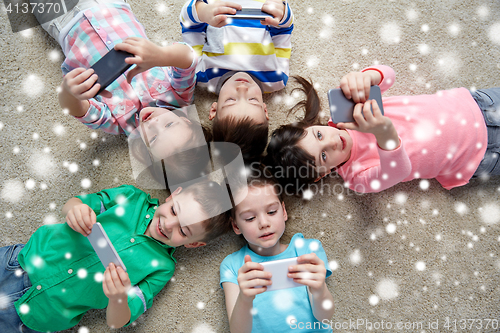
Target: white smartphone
{"x":250,"y":14}
{"x":103,"y":247}
{"x":341,"y":108}
{"x":279,"y":269}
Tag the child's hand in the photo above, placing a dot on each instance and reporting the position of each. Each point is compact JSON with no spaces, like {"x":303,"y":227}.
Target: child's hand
{"x":115,"y":283}
{"x":146,"y":55}
{"x":310,"y":271}
{"x":81,"y":218}
{"x":80,"y":83}
{"x":250,"y":275}
{"x":277,"y":9}
{"x":356,"y":86}
{"x":213,"y":12}
{"x":375,"y":123}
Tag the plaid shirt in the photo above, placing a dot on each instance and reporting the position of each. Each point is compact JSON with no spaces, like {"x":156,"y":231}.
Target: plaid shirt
{"x":97,"y":32}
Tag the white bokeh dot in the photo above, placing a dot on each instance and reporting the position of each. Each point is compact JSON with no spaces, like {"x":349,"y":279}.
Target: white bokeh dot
{"x":420,"y":265}
{"x":86,"y":183}
{"x":82,"y":273}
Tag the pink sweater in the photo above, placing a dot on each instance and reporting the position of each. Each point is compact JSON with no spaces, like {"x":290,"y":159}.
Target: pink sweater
{"x":443,"y":136}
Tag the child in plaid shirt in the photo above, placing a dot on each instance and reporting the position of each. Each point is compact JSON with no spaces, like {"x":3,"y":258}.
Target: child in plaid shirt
{"x":86,"y":33}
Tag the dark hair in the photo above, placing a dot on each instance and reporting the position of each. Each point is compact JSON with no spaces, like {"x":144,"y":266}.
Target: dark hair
{"x":250,"y":136}
{"x":283,"y":152}
{"x":211,"y":196}
{"x":258,"y":175}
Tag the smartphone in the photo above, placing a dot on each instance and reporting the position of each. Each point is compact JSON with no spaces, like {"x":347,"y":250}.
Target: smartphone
{"x":279,"y":269}
{"x":103,"y":247}
{"x":341,"y":108}
{"x":110,"y":67}
{"x":250,"y":14}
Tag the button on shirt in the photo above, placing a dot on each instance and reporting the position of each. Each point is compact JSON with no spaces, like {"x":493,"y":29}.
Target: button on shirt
{"x":97,"y":32}
{"x":66,"y":273}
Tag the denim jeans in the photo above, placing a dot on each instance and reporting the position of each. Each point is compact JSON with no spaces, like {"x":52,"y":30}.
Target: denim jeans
{"x":489,"y":103}
{"x":14,"y":282}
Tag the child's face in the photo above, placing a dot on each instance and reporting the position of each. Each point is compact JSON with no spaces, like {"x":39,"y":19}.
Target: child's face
{"x":329,"y":146}
{"x":179,"y":221}
{"x":163,"y":131}
{"x":240,"y":97}
{"x":260,"y":217}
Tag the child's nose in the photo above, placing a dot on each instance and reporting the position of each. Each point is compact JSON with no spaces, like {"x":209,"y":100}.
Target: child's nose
{"x":264,"y":223}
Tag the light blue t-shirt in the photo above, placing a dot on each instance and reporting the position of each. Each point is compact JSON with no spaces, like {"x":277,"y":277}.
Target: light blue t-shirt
{"x":285,"y":310}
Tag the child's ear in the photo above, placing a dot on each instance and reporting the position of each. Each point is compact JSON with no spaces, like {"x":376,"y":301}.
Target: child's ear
{"x":174,"y":193}
{"x":265,"y":111}
{"x":195,"y":244}
{"x":213,"y":111}
{"x":285,"y":215}
{"x":235,"y":226}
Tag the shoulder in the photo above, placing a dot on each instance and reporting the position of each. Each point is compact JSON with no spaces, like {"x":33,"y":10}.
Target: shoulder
{"x":304,"y":245}
{"x":234,"y":258}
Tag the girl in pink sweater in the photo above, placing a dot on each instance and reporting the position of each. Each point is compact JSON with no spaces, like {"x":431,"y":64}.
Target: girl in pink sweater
{"x":452,"y":136}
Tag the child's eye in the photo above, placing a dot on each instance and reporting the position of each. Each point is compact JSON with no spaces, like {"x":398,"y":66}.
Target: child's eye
{"x":169,"y":124}
{"x":182,"y":232}
{"x":319,"y":135}
{"x":272,"y":212}
{"x":323,"y":156}
{"x":230,"y":99}
{"x":255,"y":99}
{"x":173,"y":211}
{"x":250,"y":219}
{"x":152,"y":139}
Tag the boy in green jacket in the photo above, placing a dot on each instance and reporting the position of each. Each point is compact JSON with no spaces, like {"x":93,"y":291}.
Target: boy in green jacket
{"x":49,"y":283}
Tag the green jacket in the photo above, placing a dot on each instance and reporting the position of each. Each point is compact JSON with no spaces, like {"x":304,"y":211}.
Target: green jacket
{"x":66,"y":274}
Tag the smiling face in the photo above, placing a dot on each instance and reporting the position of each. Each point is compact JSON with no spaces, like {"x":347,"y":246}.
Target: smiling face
{"x":261,"y":217}
{"x":179,"y":221}
{"x":329,"y":146}
{"x":163,"y":132}
{"x":240,"y":96}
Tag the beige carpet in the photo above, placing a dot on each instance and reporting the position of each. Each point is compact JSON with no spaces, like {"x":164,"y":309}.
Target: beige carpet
{"x":406,"y":255}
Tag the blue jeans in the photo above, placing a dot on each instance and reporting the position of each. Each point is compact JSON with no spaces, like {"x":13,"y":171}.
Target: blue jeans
{"x":14,"y":282}
{"x":489,"y":103}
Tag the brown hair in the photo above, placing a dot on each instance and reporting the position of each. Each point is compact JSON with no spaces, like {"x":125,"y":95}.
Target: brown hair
{"x":258,"y":175}
{"x":211,"y":196}
{"x":283,"y":151}
{"x":250,"y":136}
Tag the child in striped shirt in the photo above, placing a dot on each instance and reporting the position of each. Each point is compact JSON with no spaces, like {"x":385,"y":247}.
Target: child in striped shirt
{"x":239,"y":59}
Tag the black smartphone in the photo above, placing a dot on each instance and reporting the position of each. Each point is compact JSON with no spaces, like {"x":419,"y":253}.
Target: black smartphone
{"x":110,"y":67}
{"x":250,"y":14}
{"x":341,"y":108}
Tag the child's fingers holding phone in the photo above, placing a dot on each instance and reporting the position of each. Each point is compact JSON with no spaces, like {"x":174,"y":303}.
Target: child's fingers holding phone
{"x":310,"y":271}
{"x":252,"y":275}
{"x":116,"y":282}
{"x":81,"y":218}
{"x":80,"y":83}
{"x":214,"y":13}
{"x":356,"y":86}
{"x":277,"y":9}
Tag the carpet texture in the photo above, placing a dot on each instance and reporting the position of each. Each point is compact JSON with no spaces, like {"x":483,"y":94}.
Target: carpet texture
{"x":415,"y":255}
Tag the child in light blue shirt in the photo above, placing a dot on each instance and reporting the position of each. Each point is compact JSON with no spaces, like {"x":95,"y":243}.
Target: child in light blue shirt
{"x":260,"y":217}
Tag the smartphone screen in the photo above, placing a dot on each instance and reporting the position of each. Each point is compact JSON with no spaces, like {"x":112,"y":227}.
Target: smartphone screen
{"x":279,"y":270}
{"x":103,"y":247}
{"x":110,"y":67}
{"x":341,"y":108}
{"x":250,"y":13}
